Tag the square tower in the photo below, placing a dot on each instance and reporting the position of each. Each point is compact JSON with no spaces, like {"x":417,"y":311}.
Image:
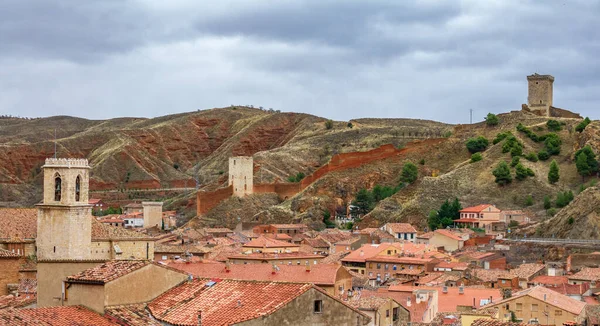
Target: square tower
{"x":241,"y":173}
{"x":64,"y":216}
{"x":152,"y":213}
{"x":539,"y":98}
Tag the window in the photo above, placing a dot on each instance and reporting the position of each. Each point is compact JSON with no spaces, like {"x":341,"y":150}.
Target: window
{"x":394,"y":267}
{"x":389,"y":252}
{"x":378,"y":266}
{"x":318,"y":306}
{"x":387,"y":313}
{"x":519,"y":306}
{"x":557,"y":312}
{"x":503,"y":281}
{"x":386,"y":266}
{"x":57,"y":188}
{"x":534,"y":307}
{"x":77,"y":188}
{"x":164,"y":257}
{"x":395,"y":314}
{"x":370,"y":274}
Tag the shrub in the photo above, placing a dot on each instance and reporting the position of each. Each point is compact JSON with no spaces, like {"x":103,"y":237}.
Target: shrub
{"x":585,"y":161}
{"x":502,"y":174}
{"x":553,"y":125}
{"x":529,"y":201}
{"x":532,"y":157}
{"x":422,"y":161}
{"x":563,"y":198}
{"x":513,"y":224}
{"x":543,"y":155}
{"x":477,"y":144}
{"x":515,"y":160}
{"x":530,"y":172}
{"x":501,"y":136}
{"x":350,"y":125}
{"x":570,"y":220}
{"x":176,"y":166}
{"x":409,"y":173}
{"x":581,"y":126}
{"x":329,"y":124}
{"x":512,"y":145}
{"x":221,"y":172}
{"x":553,"y":173}
{"x":521,"y":172}
{"x":447,"y":134}
{"x":491,"y":119}
{"x":552,"y":144}
{"x":296,"y":178}
{"x":551,"y":211}
{"x":547,"y":202}
{"x":476,"y":157}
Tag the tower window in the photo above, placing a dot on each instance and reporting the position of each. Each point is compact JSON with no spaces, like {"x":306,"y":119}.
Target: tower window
{"x":77,"y":188}
{"x":540,"y":101}
{"x":57,"y":188}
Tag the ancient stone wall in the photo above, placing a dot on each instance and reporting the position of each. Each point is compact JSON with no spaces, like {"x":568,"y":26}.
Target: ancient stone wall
{"x":562,"y":113}
{"x":206,"y":200}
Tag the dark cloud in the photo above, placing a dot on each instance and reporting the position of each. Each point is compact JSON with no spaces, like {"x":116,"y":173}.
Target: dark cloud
{"x":339,"y":59}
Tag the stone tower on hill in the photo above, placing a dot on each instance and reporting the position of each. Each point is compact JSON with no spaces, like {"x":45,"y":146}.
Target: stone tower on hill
{"x":539,"y":99}
{"x":64,"y":223}
{"x":241,"y":173}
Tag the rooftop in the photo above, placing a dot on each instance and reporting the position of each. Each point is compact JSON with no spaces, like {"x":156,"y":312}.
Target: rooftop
{"x":587,"y":274}
{"x":18,"y":223}
{"x":108,"y":271}
{"x":448,"y":302}
{"x":264,"y":242}
{"x":494,"y":322}
{"x":132,"y":315}
{"x":551,"y":297}
{"x":449,"y":234}
{"x":401,"y":228}
{"x":475,"y":209}
{"x":53,"y":316}
{"x":274,"y":256}
{"x":527,"y":270}
{"x":8,"y":254}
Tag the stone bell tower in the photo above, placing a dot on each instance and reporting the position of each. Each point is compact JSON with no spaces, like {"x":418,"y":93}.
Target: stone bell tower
{"x":64,"y":226}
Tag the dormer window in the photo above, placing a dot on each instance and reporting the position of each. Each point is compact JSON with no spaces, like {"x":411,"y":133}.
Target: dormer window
{"x":57,"y":188}
{"x":77,"y":188}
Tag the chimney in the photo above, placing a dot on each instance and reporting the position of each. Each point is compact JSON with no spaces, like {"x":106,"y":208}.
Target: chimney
{"x":274,"y":270}
{"x":227,"y":267}
{"x":362,"y":253}
{"x":408,"y":303}
{"x":461,"y":289}
{"x":307,"y":267}
{"x":474,"y":306}
{"x":239,"y":303}
{"x":199,"y":318}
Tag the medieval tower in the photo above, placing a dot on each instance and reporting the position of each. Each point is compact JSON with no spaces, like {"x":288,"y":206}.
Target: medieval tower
{"x":241,"y":173}
{"x":64,"y":217}
{"x":539,"y":99}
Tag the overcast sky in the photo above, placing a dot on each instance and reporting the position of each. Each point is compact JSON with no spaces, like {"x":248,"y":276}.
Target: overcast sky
{"x":337,"y":59}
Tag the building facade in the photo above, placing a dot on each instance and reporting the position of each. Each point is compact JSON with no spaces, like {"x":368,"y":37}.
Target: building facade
{"x":241,"y":173}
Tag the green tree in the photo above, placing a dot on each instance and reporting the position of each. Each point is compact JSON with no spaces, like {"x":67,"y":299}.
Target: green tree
{"x":552,"y":144}
{"x":547,"y":202}
{"x":515,"y":160}
{"x":350,"y":125}
{"x":433,"y":220}
{"x":455,"y":208}
{"x":532,"y":157}
{"x":363,"y":202}
{"x":553,"y":125}
{"x":581,"y":126}
{"x":501,"y":136}
{"x":553,"y":173}
{"x":563,"y":198}
{"x":477,"y":144}
{"x":476,"y":157}
{"x":491,"y":119}
{"x":529,"y":201}
{"x":329,"y":124}
{"x":543,"y":155}
{"x":410,"y":172}
{"x":422,"y":161}
{"x":521,"y":172}
{"x":377,"y":193}
{"x":583,"y":168}
{"x":590,"y":158}
{"x":502,"y":174}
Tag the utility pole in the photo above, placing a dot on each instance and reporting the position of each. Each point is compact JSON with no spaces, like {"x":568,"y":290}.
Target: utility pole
{"x":470,"y":116}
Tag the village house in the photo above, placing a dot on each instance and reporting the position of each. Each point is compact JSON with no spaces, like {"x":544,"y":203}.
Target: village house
{"x":516,"y":215}
{"x":112,"y":220}
{"x":289,"y":229}
{"x":332,"y":278}
{"x":485,"y":212}
{"x":542,"y":306}
{"x":451,"y":241}
{"x":133,"y":208}
{"x":577,"y":261}
{"x":585,"y":275}
{"x":375,"y":236}
{"x":264,"y":244}
{"x":133,"y":220}
{"x":380,"y":268}
{"x":421,"y":303}
{"x":403,"y":231}
{"x":164,"y":252}
{"x":382,"y":311}
{"x":292,"y":258}
{"x":202,"y":302}
{"x":9,"y":270}
{"x":527,"y":272}
{"x":217,"y":232}
{"x":98,"y":205}
{"x":424,"y":238}
{"x":494,"y":278}
{"x":348,"y":244}
{"x":452,"y":299}
{"x":316,"y":245}
{"x":484,"y":259}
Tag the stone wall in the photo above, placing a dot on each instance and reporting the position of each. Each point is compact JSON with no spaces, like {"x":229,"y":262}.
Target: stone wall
{"x":64,"y":232}
{"x":152,"y":214}
{"x":9,"y":273}
{"x":562,"y":113}
{"x":206,"y":200}
{"x":50,"y":278}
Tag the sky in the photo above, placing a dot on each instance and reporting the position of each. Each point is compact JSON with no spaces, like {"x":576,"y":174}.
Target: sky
{"x":345,"y":59}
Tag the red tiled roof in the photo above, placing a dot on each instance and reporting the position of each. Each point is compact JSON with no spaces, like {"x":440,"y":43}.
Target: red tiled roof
{"x":316,"y":242}
{"x":93,"y":201}
{"x":527,"y":270}
{"x":427,"y":235}
{"x":449,"y":234}
{"x":264,"y":242}
{"x":401,"y":228}
{"x":319,"y":274}
{"x":494,"y":322}
{"x":550,"y":280}
{"x":11,"y":301}
{"x":550,"y":297}
{"x":273,"y":256}
{"x":453,"y":265}
{"x":217,"y":230}
{"x":491,"y":275}
{"x":448,"y":302}
{"x":289,"y":226}
{"x":54,"y":316}
{"x":223,"y":303}
{"x":108,"y":271}
{"x":18,"y":223}
{"x":8,"y":254}
{"x":587,"y":274}
{"x":131,"y":315}
{"x":475,"y":209}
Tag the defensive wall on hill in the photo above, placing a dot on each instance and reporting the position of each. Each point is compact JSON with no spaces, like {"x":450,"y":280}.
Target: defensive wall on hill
{"x":206,"y":200}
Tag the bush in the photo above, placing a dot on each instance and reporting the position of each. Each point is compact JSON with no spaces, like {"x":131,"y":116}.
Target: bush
{"x":553,"y":173}
{"x":551,"y":211}
{"x":491,"y":119}
{"x":409,"y":173}
{"x":547,"y":202}
{"x":476,"y":157}
{"x":296,"y":178}
{"x":529,"y":201}
{"x":512,"y":145}
{"x":502,"y":174}
{"x":513,"y":224}
{"x":532,"y":157}
{"x":447,"y":134}
{"x":552,"y":144}
{"x":329,"y":124}
{"x":515,"y":160}
{"x":422,"y":161}
{"x":553,"y":125}
{"x":571,"y":220}
{"x":477,"y":144}
{"x":530,"y":172}
{"x":563,"y":198}
{"x":350,"y":125}
{"x":221,"y":172}
{"x":543,"y":155}
{"x":501,"y":136}
{"x":585,"y":161}
{"x":521,"y":172}
{"x":581,"y":126}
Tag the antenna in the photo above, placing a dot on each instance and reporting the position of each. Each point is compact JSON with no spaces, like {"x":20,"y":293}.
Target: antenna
{"x":54,"y":142}
{"x":470,"y":116}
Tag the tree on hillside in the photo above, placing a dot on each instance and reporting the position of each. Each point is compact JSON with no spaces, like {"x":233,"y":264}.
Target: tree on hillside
{"x":553,"y":125}
{"x":363,"y":202}
{"x":410,"y":172}
{"x":477,"y":144}
{"x":491,"y":119}
{"x":552,"y":144}
{"x":581,"y":126}
{"x":329,"y":124}
{"x":502,"y":174}
{"x":553,"y":173}
{"x":583,"y":168}
{"x":592,"y":163}
{"x":433,"y":220}
{"x":521,"y":172}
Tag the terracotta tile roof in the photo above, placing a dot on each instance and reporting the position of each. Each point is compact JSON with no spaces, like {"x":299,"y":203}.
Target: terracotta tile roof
{"x":134,"y":205}
{"x":369,"y":303}
{"x":101,"y":231}
{"x":108,"y":271}
{"x":18,"y":223}
{"x":11,"y":301}
{"x":399,"y":260}
{"x":131,"y":315}
{"x":222,"y":253}
{"x":319,"y":274}
{"x":401,"y":228}
{"x":264,"y":242}
{"x":453,"y":265}
{"x":570,"y":289}
{"x":491,"y":275}
{"x":180,"y":249}
{"x":475,"y":209}
{"x":494,"y":322}
{"x":587,"y":274}
{"x":367,"y":251}
{"x":316,"y":242}
{"x":347,"y":241}
{"x":448,"y":302}
{"x":273,"y":256}
{"x":335,"y":258}
{"x":8,"y":254}
{"x":27,"y":286}
{"x":223,"y":303}
{"x":367,"y":230}
{"x":449,"y":234}
{"x":289,"y":226}
{"x":217,"y":230}
{"x":549,"y":280}
{"x":527,"y":270}
{"x":550,"y":297}
{"x":427,"y":235}
{"x":93,"y":201}
{"x":54,"y":316}
{"x":430,"y":277}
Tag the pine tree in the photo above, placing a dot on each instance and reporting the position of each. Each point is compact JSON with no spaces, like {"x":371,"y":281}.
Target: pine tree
{"x":553,"y":174}
{"x":521,"y":172}
{"x":583,"y":168}
{"x":410,"y":172}
{"x":502,"y":174}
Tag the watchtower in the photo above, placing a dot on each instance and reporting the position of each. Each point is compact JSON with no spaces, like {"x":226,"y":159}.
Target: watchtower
{"x":539,"y":99}
{"x":64,"y":217}
{"x":241,"y":173}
